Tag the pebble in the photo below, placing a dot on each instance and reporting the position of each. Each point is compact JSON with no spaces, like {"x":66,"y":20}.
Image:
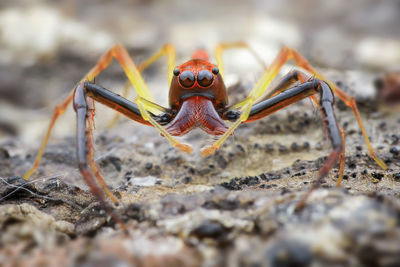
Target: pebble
{"x":187,"y":180}
{"x":395,"y":150}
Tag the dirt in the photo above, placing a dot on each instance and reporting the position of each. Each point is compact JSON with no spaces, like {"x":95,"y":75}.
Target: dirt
{"x":234,"y":208}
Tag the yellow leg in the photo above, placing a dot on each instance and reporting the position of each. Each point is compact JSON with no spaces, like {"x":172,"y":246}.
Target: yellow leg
{"x":144,"y":105}
{"x":220,"y":48}
{"x":167,"y":50}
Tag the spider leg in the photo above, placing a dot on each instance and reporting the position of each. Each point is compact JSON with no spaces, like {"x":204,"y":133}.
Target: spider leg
{"x":261,"y":87}
{"x":90,"y":149}
{"x":326,"y":101}
{"x":58,"y":110}
{"x":290,"y":79}
{"x":143,"y":104}
{"x":144,"y":97}
{"x":134,"y":111}
{"x":121,"y":104}
{"x":342,"y":155}
{"x":285,"y":83}
{"x":288,"y":53}
{"x":84,"y":149}
{"x":245,"y":105}
{"x":84,"y":96}
{"x":114,"y":120}
{"x":167,"y":50}
{"x":134,"y":76}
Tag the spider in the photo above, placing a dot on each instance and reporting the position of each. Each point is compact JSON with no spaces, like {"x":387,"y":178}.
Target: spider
{"x":198,"y":99}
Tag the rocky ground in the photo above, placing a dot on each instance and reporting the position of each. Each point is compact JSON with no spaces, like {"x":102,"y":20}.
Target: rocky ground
{"x":234,"y":208}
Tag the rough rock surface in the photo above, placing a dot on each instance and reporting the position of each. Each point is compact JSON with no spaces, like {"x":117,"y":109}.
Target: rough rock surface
{"x":235,"y":207}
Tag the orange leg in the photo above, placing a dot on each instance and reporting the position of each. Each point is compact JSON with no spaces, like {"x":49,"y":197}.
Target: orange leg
{"x":326,"y":101}
{"x":342,"y":156}
{"x":90,"y":153}
{"x":58,"y":110}
{"x":84,"y":114}
{"x":167,"y":50}
{"x":285,"y":55}
{"x":298,"y":76}
{"x":288,"y":53}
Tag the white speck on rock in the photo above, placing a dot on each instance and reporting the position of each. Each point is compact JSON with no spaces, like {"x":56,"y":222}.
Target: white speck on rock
{"x":143,"y":246}
{"x":145,"y":181}
{"x":149,"y":145}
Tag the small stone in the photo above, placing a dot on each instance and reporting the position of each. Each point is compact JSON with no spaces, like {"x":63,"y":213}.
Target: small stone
{"x":148,"y":165}
{"x":294,"y":146}
{"x":187,"y":180}
{"x":306,"y":145}
{"x":269,"y":148}
{"x":210,"y":229}
{"x":283,"y":149}
{"x":395,"y":150}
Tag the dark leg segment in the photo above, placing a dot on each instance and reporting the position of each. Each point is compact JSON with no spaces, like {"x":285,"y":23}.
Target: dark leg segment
{"x":286,"y":98}
{"x":114,"y":101}
{"x":286,"y":82}
{"x":81,"y":109}
{"x":326,"y":102}
{"x":124,"y":106}
{"x":84,"y":107}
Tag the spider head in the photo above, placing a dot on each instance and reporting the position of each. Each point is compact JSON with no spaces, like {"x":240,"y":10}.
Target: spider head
{"x":197,"y":77}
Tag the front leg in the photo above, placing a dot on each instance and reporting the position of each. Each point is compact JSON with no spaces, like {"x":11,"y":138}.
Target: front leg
{"x":84,"y":95}
{"x":131,"y":71}
{"x":81,"y":109}
{"x":262,"y":86}
{"x":326,"y":100}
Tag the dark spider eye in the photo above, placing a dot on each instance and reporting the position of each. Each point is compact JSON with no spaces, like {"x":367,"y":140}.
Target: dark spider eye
{"x":176,"y":72}
{"x":186,"y":78}
{"x":215,"y":70}
{"x":205,"y":78}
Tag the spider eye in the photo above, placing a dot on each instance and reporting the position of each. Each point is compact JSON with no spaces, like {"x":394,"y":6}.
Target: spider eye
{"x":215,"y":70}
{"x":205,"y":78}
{"x":186,"y":78}
{"x":176,"y":72}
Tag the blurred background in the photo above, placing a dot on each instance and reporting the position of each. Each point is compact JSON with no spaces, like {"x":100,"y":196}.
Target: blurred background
{"x":47,"y":46}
